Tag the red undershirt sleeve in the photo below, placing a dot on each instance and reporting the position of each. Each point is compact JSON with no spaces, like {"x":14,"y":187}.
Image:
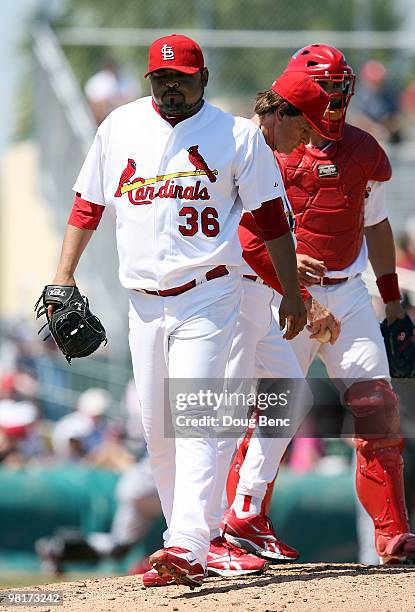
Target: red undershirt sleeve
{"x":256,"y":255}
{"x":271,"y":219}
{"x":84,"y":214}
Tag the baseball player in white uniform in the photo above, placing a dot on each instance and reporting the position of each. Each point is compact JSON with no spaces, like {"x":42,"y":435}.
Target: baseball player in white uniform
{"x":336,"y":188}
{"x":176,"y":171}
{"x":287,"y":113}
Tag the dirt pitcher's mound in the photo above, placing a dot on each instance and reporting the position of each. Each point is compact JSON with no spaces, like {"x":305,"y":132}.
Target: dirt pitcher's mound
{"x":335,"y":587}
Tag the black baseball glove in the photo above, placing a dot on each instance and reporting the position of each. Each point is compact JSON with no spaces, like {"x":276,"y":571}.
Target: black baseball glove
{"x":400,"y":347}
{"x":76,"y":331}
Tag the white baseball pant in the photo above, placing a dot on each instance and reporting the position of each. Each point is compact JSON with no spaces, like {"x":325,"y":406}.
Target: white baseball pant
{"x":184,"y":337}
{"x":260,"y":351}
{"x":359,"y":352}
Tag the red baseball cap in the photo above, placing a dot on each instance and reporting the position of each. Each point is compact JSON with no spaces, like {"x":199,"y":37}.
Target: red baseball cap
{"x":300,"y":90}
{"x":176,"y":52}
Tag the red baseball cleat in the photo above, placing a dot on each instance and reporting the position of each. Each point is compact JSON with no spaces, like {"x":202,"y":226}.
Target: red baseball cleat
{"x":141,"y":567}
{"x":400,"y":549}
{"x":256,"y":534}
{"x":225,"y":559}
{"x":153,"y":579}
{"x":180,"y":564}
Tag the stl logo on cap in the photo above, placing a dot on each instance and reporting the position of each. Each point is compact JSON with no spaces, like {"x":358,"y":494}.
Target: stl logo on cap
{"x":167,"y":52}
{"x":176,"y":52}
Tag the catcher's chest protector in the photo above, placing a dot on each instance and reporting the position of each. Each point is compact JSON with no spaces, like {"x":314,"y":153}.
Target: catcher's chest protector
{"x":327,"y":190}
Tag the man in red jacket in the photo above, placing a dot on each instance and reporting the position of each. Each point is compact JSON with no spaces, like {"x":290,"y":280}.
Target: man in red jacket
{"x":336,"y":188}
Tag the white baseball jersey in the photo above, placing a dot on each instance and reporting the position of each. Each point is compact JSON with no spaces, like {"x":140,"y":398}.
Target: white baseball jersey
{"x":174,"y":190}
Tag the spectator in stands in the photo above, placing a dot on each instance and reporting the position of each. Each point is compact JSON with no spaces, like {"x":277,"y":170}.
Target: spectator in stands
{"x":54,"y":380}
{"x":405,"y":260}
{"x":109,"y":88}
{"x":408,"y":109}
{"x":17,"y":353}
{"x":406,"y":246}
{"x":137,"y":505}
{"x":81,"y":432}
{"x":375,"y":106}
{"x":21,"y":438}
{"x":22,"y":352}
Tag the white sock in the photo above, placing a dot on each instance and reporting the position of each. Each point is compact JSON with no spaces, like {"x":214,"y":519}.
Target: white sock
{"x":246,"y":505}
{"x":214,"y":533}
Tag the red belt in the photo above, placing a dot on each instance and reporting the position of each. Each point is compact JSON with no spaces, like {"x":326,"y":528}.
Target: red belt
{"x":326,"y":280}
{"x":253,"y":277}
{"x":215,"y":273}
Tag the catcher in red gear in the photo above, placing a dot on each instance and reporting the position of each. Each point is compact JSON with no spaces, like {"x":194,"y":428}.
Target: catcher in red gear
{"x":329,"y":184}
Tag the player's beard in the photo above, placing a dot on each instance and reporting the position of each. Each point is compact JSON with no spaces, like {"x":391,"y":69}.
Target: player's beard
{"x":176,"y":105}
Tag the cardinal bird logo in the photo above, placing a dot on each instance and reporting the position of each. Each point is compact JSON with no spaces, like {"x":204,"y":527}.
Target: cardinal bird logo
{"x":126,"y":176}
{"x":199,"y":163}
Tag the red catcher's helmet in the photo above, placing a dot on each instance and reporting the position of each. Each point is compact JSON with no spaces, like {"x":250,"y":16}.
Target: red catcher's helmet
{"x":328,"y":66}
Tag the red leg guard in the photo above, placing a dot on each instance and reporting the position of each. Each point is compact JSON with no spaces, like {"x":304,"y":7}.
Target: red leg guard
{"x":379,"y":471}
{"x":379,"y":483}
{"x":374,"y":406}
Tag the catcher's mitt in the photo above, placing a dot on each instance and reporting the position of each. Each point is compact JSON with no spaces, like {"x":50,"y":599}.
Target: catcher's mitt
{"x":76,"y":331}
{"x":400,"y":347}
